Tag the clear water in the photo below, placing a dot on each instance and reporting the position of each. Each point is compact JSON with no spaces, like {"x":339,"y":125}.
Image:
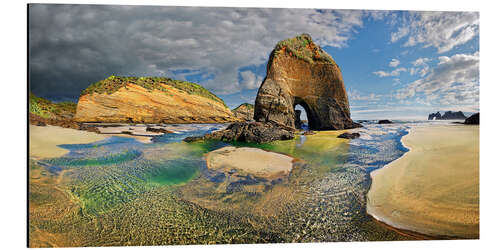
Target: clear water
{"x":323,"y":199}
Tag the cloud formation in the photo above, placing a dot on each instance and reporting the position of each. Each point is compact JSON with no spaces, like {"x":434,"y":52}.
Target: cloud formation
{"x":454,"y":81}
{"x":394,"y":63}
{"x":395,"y":72}
{"x":71,"y":46}
{"x":442,"y":30}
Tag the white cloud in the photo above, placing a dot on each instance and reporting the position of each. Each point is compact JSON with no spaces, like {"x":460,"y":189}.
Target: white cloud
{"x":394,"y":63}
{"x":421,"y":61}
{"x":421,"y":66}
{"x":402,"y":32}
{"x":355,"y":95}
{"x":442,"y":30}
{"x":250,"y":80}
{"x":454,"y":81}
{"x":395,"y":72}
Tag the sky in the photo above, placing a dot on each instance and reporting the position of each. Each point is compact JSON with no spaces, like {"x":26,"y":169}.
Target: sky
{"x":395,"y":64}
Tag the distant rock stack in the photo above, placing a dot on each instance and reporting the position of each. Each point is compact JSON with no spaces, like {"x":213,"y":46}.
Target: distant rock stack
{"x":472,"y":120}
{"x":300,"y":72}
{"x":435,"y":116}
{"x":448,"y":115}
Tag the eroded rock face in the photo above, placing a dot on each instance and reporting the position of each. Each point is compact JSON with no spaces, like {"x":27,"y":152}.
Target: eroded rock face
{"x":133,"y":103}
{"x":300,"y":72}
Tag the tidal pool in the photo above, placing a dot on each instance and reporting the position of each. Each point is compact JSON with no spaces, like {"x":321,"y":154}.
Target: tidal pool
{"x":122,"y":192}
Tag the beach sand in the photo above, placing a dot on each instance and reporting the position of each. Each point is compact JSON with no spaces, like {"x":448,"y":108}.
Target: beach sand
{"x":257,"y":162}
{"x":434,"y":188}
{"x":43,"y":141}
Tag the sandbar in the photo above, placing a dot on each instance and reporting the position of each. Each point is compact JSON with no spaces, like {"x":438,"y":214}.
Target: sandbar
{"x":258,"y":162}
{"x":434,"y":188}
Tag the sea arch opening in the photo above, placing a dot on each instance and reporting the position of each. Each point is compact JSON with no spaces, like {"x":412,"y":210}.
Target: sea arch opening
{"x":303,"y":112}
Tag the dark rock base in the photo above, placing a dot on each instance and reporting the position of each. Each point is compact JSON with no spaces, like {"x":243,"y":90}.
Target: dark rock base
{"x":255,"y":132}
{"x":349,"y":135}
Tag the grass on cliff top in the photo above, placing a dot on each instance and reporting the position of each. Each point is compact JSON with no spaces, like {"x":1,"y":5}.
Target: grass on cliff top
{"x":303,"y":48}
{"x":113,"y":83}
{"x":47,"y":109}
{"x":246,"y":105}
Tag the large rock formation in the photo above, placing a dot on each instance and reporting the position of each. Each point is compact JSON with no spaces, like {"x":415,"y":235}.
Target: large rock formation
{"x":448,"y":115}
{"x":150,"y":100}
{"x":299,"y":72}
{"x":472,"y":120}
{"x":244,"y":112}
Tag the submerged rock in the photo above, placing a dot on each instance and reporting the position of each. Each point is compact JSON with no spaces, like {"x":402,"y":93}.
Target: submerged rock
{"x":256,"y":132}
{"x":349,"y":135}
{"x":299,"y":72}
{"x":384,"y":122}
{"x":309,"y":132}
{"x":472,"y":120}
{"x":158,"y":130}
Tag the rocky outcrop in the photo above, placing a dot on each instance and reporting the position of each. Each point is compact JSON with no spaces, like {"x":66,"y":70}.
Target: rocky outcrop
{"x":150,"y":100}
{"x":256,"y":132}
{"x":299,"y":72}
{"x":448,"y":115}
{"x":384,"y":122}
{"x":63,"y":123}
{"x":472,"y":120}
{"x":349,"y":135}
{"x":434,"y":116}
{"x":244,"y":112}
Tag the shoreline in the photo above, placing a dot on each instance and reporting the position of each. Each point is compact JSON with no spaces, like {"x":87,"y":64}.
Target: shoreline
{"x":397,"y":195}
{"x":44,"y":140}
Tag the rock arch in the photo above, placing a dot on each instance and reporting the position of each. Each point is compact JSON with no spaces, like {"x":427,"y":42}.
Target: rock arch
{"x":300,"y":72}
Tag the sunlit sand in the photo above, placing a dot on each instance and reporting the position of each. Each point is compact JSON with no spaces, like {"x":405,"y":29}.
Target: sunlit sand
{"x":434,"y":188}
{"x":44,"y":140}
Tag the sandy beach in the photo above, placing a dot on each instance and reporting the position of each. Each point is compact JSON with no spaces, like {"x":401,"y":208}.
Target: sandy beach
{"x":434,"y":188}
{"x":44,"y":140}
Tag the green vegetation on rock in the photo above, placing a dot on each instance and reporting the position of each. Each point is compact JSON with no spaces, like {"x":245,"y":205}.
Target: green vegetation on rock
{"x":245,"y":105}
{"x":114,"y":83}
{"x":303,"y":48}
{"x":47,"y":109}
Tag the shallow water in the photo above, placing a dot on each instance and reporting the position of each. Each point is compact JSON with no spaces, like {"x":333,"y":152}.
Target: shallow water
{"x":131,"y":193}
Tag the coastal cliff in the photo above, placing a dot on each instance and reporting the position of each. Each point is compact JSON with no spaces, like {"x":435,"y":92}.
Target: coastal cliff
{"x":299,"y":72}
{"x":150,"y":100}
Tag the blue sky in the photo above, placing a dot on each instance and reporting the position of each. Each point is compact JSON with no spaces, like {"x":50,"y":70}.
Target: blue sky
{"x":395,"y":64}
{"x":372,"y":93}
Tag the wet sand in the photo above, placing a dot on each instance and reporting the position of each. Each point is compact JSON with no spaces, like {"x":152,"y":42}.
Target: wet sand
{"x":434,"y":188}
{"x":254,"y":161}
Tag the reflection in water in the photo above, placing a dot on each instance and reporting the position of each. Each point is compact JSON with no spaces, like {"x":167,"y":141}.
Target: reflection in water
{"x":162,"y":193}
